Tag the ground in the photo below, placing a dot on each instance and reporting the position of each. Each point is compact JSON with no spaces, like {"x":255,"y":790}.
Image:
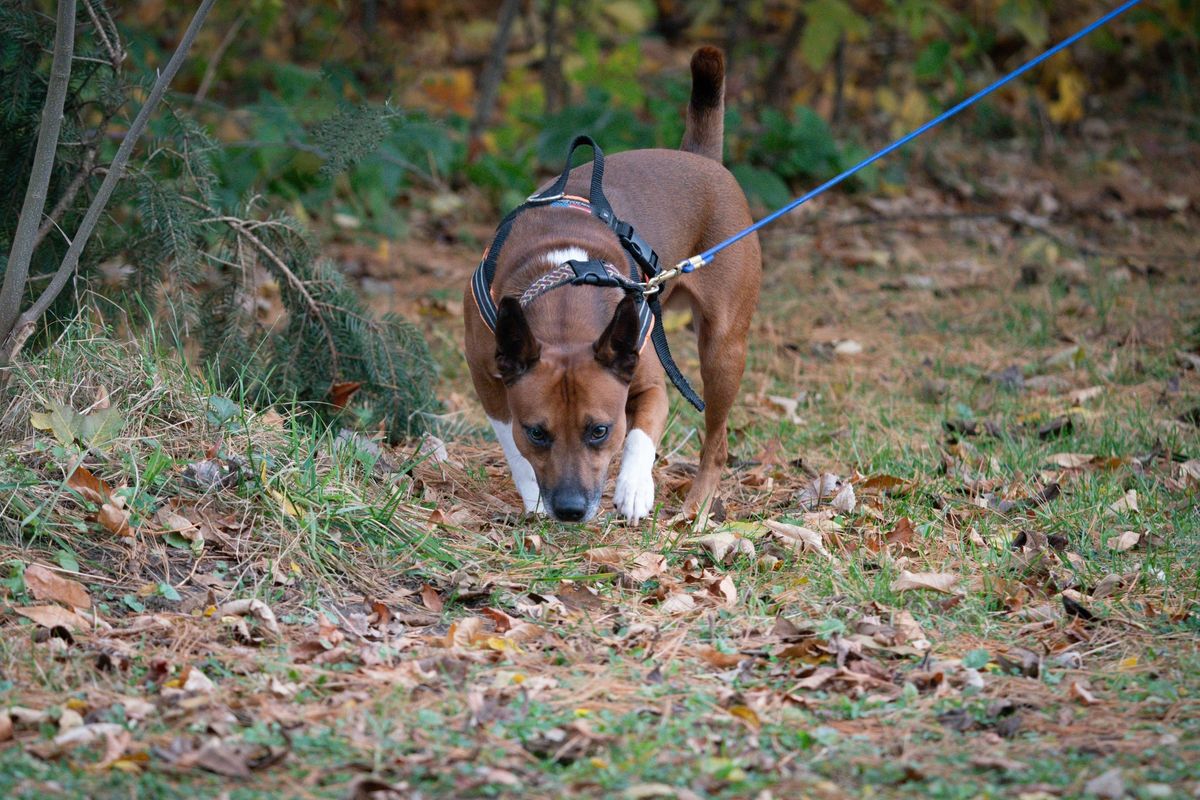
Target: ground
{"x":955,"y":556}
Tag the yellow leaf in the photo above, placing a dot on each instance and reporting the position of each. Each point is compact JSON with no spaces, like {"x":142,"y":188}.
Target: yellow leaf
{"x":1127,"y":664}
{"x":747,"y":715}
{"x":1069,"y":105}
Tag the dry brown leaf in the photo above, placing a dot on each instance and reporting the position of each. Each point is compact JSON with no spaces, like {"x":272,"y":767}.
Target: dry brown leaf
{"x":1126,"y":541}
{"x":44,"y":584}
{"x":935,"y":581}
{"x":1127,"y":503}
{"x":883,"y":483}
{"x":51,"y":616}
{"x":431,"y":599}
{"x":725,"y":546}
{"x":647,"y":567}
{"x":1081,"y":396}
{"x":719,"y":659}
{"x":6,"y":726}
{"x":678,"y":603}
{"x":844,"y":500}
{"x":1078,"y":689}
{"x":92,"y":488}
{"x":1071,"y":460}
{"x":115,"y":517}
{"x":725,"y":590}
{"x":798,"y":537}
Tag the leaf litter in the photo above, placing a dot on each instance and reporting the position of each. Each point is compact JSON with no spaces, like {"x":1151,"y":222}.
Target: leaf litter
{"x":761,"y":617}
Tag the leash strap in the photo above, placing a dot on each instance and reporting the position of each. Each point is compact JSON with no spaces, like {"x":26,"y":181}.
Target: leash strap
{"x":689,"y":264}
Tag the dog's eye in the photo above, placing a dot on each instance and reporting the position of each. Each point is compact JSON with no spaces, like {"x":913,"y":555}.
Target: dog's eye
{"x":538,"y":435}
{"x":598,"y":433}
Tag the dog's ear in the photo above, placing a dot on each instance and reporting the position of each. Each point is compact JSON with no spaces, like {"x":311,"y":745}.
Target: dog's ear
{"x":617,"y":347}
{"x":517,"y":349}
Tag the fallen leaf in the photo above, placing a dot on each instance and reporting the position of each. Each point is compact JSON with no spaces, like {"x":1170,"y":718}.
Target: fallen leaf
{"x":647,"y":566}
{"x":92,"y":488}
{"x":1108,"y":785}
{"x":725,"y":546}
{"x":54,"y":616}
{"x":798,"y":537}
{"x":431,"y":599}
{"x":1071,"y":460}
{"x":720,"y":659}
{"x":1127,"y":503}
{"x":844,"y":500}
{"x":115,"y":517}
{"x":935,"y":581}
{"x":1126,"y":541}
{"x":1079,"y":690}
{"x":678,"y":603}
{"x":746,"y":715}
{"x":44,"y":584}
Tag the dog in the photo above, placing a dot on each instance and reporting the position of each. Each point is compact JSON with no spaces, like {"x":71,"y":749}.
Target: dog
{"x":565,"y":380}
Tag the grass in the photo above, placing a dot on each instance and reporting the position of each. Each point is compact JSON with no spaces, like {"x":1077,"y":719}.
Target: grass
{"x":433,"y":643}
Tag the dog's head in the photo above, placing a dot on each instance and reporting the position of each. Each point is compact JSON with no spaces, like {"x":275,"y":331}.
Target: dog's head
{"x":568,"y":404}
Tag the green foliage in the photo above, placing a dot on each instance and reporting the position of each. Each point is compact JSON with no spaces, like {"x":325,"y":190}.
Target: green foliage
{"x":178,"y":241}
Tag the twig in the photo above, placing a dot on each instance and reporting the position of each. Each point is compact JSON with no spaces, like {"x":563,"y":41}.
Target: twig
{"x":115,"y":170}
{"x":245,"y":229}
{"x":210,"y":71}
{"x":68,"y":197}
{"x":116,"y":54}
{"x":25,"y":238}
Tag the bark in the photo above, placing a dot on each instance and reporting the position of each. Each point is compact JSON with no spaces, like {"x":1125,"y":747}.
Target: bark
{"x":489,"y":81}
{"x":26,"y":236}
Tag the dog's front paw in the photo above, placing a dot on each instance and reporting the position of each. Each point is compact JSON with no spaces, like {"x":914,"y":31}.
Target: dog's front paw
{"x":634,"y":494}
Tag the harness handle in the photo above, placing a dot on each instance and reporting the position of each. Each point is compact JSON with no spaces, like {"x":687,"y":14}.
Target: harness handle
{"x":556,"y":190}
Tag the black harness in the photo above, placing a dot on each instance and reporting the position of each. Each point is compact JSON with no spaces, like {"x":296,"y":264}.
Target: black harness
{"x":643,"y":264}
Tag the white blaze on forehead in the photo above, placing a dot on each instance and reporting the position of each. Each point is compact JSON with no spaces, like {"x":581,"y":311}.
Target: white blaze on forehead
{"x":556,"y":257}
{"x":519,"y":466}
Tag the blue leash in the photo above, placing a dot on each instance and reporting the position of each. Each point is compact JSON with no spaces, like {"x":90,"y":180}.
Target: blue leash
{"x":706,"y":257}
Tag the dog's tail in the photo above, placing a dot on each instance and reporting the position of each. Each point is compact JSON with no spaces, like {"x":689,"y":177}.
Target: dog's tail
{"x":705,"y":130}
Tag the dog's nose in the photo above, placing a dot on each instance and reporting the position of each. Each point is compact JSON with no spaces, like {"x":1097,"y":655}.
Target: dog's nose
{"x":569,"y":505}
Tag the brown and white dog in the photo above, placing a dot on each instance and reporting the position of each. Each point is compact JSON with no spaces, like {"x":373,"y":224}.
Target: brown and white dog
{"x":564,"y":381}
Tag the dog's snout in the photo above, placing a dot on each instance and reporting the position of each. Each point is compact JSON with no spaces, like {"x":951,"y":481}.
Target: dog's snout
{"x":569,"y":504}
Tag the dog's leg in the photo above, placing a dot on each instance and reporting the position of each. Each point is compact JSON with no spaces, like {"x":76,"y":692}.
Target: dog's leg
{"x":722,"y":360}
{"x":647,"y":417}
{"x":519,"y":466}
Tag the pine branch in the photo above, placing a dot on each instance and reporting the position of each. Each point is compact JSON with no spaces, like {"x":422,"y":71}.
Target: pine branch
{"x":25,"y":239}
{"x":115,"y":170}
{"x":245,"y":230}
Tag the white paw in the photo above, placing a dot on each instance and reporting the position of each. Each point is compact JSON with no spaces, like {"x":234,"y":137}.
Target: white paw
{"x":634,"y":494}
